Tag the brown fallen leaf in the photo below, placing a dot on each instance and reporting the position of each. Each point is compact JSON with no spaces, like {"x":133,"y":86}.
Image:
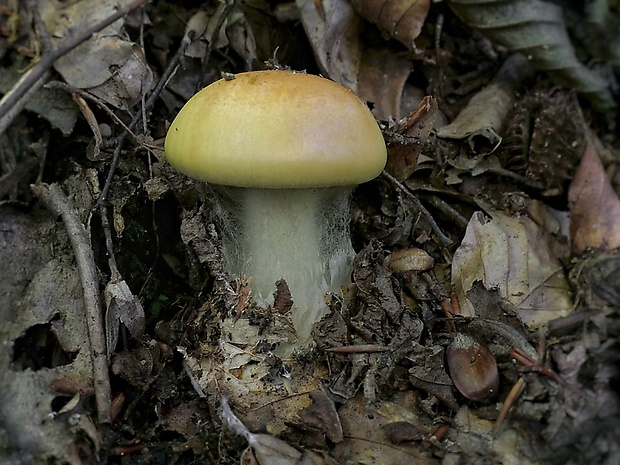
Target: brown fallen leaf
{"x":367,"y":437}
{"x":486,"y":111}
{"x":401,"y":19}
{"x":186,"y":420}
{"x":333,"y":28}
{"x":121,"y":307}
{"x":382,"y":89}
{"x":594,"y":206}
{"x":264,"y":449}
{"x":106,"y":65}
{"x":408,"y":138}
{"x":538,"y":29}
{"x":515,"y":257}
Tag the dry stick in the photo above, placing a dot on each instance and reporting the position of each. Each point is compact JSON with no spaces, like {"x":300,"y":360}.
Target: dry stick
{"x":7,"y":118}
{"x":55,"y":200}
{"x":445,"y":240}
{"x":100,"y":103}
{"x":35,"y":73}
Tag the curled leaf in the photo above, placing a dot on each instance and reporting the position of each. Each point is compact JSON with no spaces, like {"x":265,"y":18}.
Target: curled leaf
{"x":486,"y":111}
{"x":536,"y":28}
{"x":408,"y":138}
{"x":333,"y":28}
{"x":383,"y":91}
{"x":264,"y":449}
{"x":122,"y":307}
{"x":401,"y":19}
{"x":106,"y":65}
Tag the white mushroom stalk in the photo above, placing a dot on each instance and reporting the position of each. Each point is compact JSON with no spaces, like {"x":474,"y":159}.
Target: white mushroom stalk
{"x":301,"y":235}
{"x":283,"y":151}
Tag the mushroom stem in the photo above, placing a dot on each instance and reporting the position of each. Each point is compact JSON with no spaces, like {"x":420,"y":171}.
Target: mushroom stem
{"x":300,"y":235}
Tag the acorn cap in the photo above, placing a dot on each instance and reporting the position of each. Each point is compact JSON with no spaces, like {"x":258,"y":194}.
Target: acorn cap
{"x":276,"y":129}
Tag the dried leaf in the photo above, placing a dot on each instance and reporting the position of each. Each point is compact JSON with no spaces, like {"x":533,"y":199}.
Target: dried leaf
{"x":333,"y":28}
{"x":383,"y":90}
{"x":188,"y":420}
{"x":514,"y":257}
{"x":405,"y":144}
{"x":594,"y":206}
{"x":377,"y":295}
{"x":322,"y":416}
{"x":536,"y":28}
{"x":54,"y":105}
{"x":106,"y":65}
{"x":366,"y":439}
{"x":282,"y":300}
{"x":264,"y":449}
{"x":41,"y":295}
{"x":401,"y":19}
{"x":486,"y":111}
{"x":122,"y":307}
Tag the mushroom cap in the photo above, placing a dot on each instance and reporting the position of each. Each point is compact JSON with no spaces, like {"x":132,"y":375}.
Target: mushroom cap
{"x":276,"y":129}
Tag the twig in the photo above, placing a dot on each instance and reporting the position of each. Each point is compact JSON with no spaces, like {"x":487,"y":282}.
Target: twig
{"x":445,"y":240}
{"x":55,"y":200}
{"x":87,"y":96}
{"x":7,"y":116}
{"x":35,"y":73}
{"x":107,"y":232}
{"x":446,"y":209}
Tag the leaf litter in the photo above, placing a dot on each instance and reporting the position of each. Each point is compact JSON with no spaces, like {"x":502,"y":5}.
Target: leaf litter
{"x":453,"y":243}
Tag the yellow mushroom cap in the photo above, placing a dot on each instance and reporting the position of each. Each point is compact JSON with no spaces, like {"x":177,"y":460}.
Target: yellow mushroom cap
{"x":276,"y":129}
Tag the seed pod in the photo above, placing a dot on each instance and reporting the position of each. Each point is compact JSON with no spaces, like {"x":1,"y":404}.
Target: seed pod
{"x":412,"y":259}
{"x":472,"y":367}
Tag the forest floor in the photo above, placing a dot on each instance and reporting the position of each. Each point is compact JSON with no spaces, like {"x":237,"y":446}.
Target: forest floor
{"x":482,"y":324}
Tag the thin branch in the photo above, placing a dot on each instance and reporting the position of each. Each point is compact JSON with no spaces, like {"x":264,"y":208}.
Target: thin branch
{"x":100,"y":103}
{"x":8,"y":115}
{"x":445,"y":240}
{"x":56,"y":201}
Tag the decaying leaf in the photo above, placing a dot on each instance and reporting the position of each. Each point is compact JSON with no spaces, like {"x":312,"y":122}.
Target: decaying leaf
{"x":536,"y":28}
{"x":333,"y":28}
{"x":367,"y":434}
{"x":322,"y":416}
{"x":408,"y":138}
{"x":264,"y":449}
{"x":381,"y":90}
{"x":106,"y":65}
{"x":187,"y":420}
{"x":486,"y":111}
{"x":122,"y":307}
{"x":52,"y":104}
{"x":594,"y":206}
{"x":474,"y":434}
{"x":401,"y":19}
{"x":513,"y":256}
{"x":43,"y":310}
{"x":601,"y":275}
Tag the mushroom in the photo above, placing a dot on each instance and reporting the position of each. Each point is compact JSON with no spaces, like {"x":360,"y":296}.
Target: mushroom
{"x":282,"y":152}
